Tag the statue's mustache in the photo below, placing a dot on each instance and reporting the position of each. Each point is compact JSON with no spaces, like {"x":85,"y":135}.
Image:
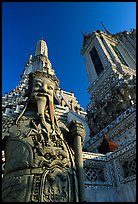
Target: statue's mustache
{"x":42,"y":93}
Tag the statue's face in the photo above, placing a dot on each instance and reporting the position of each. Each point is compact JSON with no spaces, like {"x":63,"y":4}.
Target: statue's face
{"x":42,"y":91}
{"x":42,"y":87}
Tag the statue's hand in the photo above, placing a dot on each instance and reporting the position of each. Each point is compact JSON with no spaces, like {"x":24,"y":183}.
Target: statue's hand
{"x":77,"y":129}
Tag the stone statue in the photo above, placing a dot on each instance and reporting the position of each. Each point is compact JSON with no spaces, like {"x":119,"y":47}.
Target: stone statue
{"x":41,"y":162}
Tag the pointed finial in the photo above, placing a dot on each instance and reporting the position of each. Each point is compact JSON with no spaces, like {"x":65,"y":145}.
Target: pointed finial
{"x":105,"y":29}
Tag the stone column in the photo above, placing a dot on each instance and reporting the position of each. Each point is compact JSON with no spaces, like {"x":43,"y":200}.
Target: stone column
{"x":78,"y":133}
{"x":79,"y":167}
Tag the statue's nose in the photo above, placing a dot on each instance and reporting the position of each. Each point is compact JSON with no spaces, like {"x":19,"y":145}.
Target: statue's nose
{"x":44,"y":89}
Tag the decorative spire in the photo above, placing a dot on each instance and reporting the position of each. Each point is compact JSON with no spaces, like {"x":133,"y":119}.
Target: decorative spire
{"x":105,"y":29}
{"x":41,"y":48}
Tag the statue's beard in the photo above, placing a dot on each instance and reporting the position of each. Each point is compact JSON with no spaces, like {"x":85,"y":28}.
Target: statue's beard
{"x":41,"y":102}
{"x":44,"y":104}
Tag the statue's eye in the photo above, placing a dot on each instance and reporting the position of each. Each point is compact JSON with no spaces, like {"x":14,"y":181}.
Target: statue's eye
{"x":50,"y":88}
{"x":37,"y":85}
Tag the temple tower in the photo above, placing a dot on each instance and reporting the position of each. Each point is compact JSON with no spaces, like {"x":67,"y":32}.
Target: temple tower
{"x":110,"y":152}
{"x":111,"y":67}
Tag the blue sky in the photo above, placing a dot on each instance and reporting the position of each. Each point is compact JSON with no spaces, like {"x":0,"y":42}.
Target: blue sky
{"x":60,"y":24}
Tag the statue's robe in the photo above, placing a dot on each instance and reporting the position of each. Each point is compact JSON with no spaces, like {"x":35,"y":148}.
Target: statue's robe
{"x":39,"y":166}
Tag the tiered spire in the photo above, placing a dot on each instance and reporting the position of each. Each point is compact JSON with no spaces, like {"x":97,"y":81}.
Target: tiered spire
{"x":40,"y":61}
